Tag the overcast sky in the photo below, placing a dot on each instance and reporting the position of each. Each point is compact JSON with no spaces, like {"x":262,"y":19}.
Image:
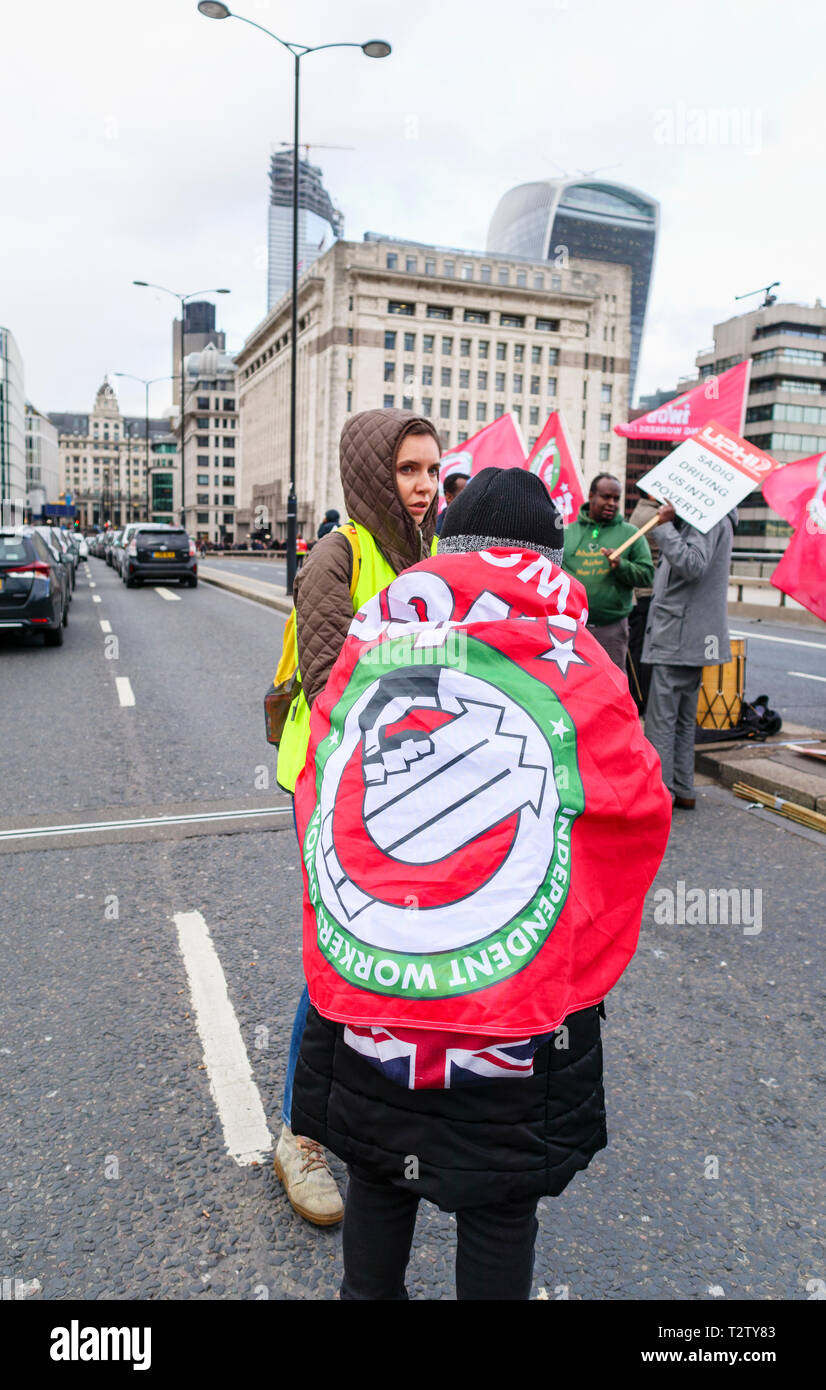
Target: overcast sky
{"x":137,"y":135}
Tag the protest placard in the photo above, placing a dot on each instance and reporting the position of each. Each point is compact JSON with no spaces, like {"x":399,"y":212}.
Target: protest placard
{"x":708,"y":475}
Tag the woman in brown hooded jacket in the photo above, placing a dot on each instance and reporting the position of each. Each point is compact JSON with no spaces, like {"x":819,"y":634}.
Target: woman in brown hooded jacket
{"x":389,"y":463}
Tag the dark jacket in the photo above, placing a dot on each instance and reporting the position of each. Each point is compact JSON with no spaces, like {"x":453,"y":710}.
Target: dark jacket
{"x":495,"y":1142}
{"x":324,"y":609}
{"x":688,"y":618}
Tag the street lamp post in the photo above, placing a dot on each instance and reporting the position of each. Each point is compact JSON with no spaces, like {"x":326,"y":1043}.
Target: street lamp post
{"x":182,"y":300}
{"x":147,"y":382}
{"x":375,"y":48}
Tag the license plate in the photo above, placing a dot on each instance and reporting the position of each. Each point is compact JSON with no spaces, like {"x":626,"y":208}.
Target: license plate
{"x":163,"y":555}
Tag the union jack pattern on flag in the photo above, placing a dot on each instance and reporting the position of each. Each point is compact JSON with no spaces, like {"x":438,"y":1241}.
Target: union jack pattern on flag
{"x":421,"y":1060}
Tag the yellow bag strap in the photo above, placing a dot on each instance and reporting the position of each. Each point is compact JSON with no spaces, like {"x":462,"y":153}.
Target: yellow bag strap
{"x":288,"y":662}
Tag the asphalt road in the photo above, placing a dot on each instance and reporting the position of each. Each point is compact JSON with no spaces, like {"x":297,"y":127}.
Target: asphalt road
{"x":117,"y":1180}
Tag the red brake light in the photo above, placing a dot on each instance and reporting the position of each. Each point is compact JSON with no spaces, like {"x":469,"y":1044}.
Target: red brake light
{"x":39,"y":570}
{"x":192,"y":550}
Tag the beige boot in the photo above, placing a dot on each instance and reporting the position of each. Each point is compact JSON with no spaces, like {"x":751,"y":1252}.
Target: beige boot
{"x":310,"y":1186}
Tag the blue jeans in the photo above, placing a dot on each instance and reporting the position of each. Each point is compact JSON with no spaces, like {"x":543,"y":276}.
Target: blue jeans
{"x":295,"y":1047}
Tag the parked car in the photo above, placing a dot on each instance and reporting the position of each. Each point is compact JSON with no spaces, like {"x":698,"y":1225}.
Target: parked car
{"x":109,"y":542}
{"x":34,"y":585}
{"x":119,"y":548}
{"x":78,"y":541}
{"x":160,"y":552}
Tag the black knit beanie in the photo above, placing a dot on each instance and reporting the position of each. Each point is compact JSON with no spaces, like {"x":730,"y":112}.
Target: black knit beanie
{"x":503,"y":506}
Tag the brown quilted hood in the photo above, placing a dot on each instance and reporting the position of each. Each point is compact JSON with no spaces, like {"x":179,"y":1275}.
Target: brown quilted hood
{"x":369,"y":444}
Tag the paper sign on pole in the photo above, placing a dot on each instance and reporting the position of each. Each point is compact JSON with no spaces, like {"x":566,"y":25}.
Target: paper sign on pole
{"x":708,"y":475}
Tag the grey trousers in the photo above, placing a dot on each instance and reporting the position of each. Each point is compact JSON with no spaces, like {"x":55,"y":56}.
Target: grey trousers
{"x":614,"y":638}
{"x":671,"y":723}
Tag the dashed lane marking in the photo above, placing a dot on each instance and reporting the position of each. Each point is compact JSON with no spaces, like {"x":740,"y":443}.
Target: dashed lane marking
{"x":126,"y":694}
{"x":807,"y":676}
{"x":105,"y":625}
{"x":167,"y":594}
{"x":787,"y":641}
{"x":237,"y":1098}
{"x":95,"y":598}
{"x":141,"y":822}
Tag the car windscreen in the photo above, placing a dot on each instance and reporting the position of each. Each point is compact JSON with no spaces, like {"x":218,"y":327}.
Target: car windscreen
{"x":14,"y":550}
{"x":162,"y":540}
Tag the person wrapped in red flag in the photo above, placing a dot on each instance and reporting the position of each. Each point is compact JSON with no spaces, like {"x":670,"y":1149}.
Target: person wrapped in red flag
{"x":480,"y":819}
{"x":797,"y":492}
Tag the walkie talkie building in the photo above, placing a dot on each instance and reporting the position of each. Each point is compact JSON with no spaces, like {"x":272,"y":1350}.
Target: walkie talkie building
{"x":584,"y":218}
{"x":319,"y":223}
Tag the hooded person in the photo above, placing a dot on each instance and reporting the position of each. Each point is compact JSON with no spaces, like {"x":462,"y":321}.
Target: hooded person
{"x":389,"y":465}
{"x":332,"y":519}
{"x":480,"y":819}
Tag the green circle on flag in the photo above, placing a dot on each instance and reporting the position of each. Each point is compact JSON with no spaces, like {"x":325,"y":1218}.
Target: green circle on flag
{"x":438,"y":855}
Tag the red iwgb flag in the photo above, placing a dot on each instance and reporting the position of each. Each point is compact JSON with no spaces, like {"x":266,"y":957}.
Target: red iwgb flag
{"x":498,"y":445}
{"x":480,"y":815}
{"x":721,"y":398}
{"x":797,"y":492}
{"x":552,"y":460}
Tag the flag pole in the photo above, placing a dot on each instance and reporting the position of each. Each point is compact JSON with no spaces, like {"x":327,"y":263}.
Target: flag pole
{"x":649,"y":525}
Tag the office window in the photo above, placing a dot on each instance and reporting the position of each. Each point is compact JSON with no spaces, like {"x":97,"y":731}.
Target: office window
{"x":411,"y":265}
{"x":536,"y":354}
{"x":438,"y":311}
{"x":500,"y":381}
{"x":464,"y":379}
{"x":547,"y":325}
{"x":498,"y":410}
{"x":390,"y":371}
{"x":483,"y":347}
{"x":519,"y":352}
{"x":427,"y":405}
{"x":446,"y":376}
{"x":399,"y":306}
{"x":604,"y":453}
{"x":410,"y":342}
{"x":551,"y":385}
{"x":534,"y":415}
{"x":229,"y":442}
{"x":605,"y":393}
{"x":203,"y":460}
{"x":482,"y":381}
{"x":349,"y":369}
{"x":427,"y":342}
{"x":584,"y":419}
{"x":534,"y":385}
{"x":202,"y":422}
{"x":447,"y":347}
{"x":229,"y":499}
{"x":556,"y":282}
{"x":228,"y":481}
{"x":464,"y":347}
{"x":484,"y":274}
{"x":201,"y":441}
{"x":407,"y":402}
{"x":512,"y":320}
{"x":430,"y":267}
{"x":202,"y":498}
{"x":229,"y":403}
{"x":349,"y":335}
{"x":392,"y":261}
{"x":605,"y":423}
{"x":202,"y":479}
{"x":553,"y":357}
{"x":444,"y":410}
{"x":389,"y":341}
{"x":477,"y":316}
{"x":427,"y":376}
{"x":349,"y":400}
{"x":538,"y":280}
{"x":389,"y":402}
{"x":521,"y":279}
{"x":481,"y":411}
{"x":461,"y":437}
{"x":202,"y":518}
{"x":203,"y":403}
{"x":501,"y":351}
{"x":504,"y":275}
{"x":448,"y":268}
{"x":517,"y":383}
{"x":463,"y":410}
{"x":467,"y":271}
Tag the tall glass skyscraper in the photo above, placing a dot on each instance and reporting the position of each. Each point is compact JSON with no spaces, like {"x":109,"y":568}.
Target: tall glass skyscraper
{"x":593,"y":220}
{"x":319,"y":223}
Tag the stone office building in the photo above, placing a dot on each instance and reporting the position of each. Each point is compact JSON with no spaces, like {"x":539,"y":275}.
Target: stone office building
{"x":461,"y":337}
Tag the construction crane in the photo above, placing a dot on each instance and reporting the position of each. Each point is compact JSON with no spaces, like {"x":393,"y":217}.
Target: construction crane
{"x":288,"y":144}
{"x":764,"y":289}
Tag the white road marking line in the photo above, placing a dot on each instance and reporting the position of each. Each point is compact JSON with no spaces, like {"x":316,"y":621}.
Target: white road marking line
{"x":807,"y":676}
{"x":32,"y":832}
{"x":167,"y":593}
{"x":92,"y":585}
{"x":126,"y":694}
{"x":105,"y":625}
{"x":237,"y":1098}
{"x":95,"y":598}
{"x":788,"y":641}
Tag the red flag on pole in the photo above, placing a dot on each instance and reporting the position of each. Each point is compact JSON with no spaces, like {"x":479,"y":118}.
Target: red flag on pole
{"x":797,"y":492}
{"x":552,"y":459}
{"x":498,"y":445}
{"x":721,"y":398}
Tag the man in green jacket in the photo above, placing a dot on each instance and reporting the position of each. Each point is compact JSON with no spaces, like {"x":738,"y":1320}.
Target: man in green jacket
{"x":609,"y":584}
